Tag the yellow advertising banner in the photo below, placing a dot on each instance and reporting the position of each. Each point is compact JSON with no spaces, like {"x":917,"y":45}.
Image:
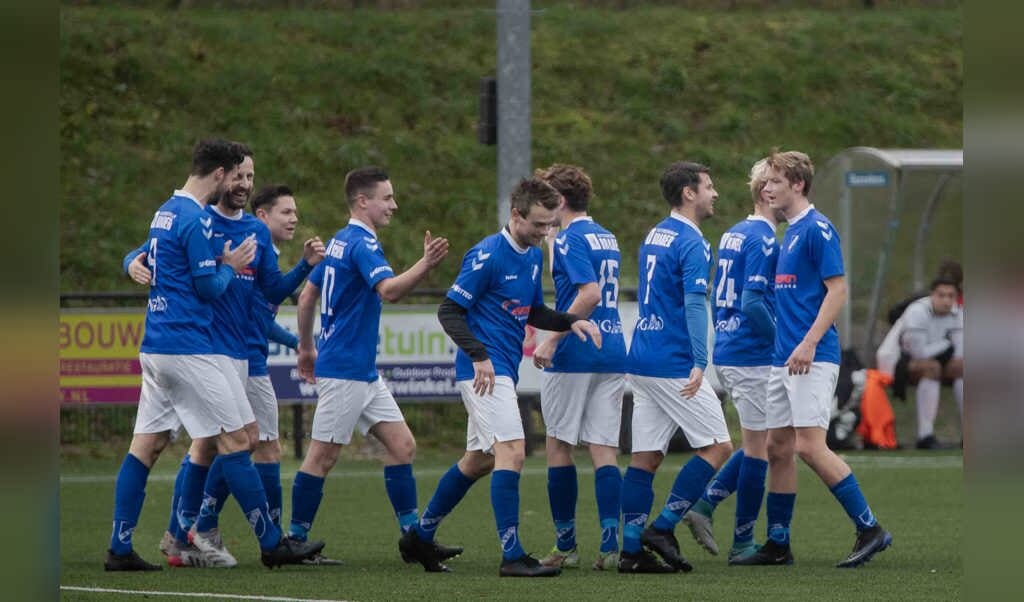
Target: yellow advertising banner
{"x":99,"y":356}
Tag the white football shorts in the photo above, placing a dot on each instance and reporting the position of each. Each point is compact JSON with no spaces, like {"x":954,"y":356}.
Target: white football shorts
{"x":493,"y":417}
{"x":659,"y":408}
{"x":747,"y":386}
{"x":342,"y":405}
{"x":199,"y":392}
{"x":263,"y":400}
{"x":802,"y":400}
{"x":582,"y":406}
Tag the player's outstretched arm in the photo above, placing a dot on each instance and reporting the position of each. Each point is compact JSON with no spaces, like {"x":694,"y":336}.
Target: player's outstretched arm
{"x":307,"y":350}
{"x":281,"y":335}
{"x":799,"y":361}
{"x":545,"y":318}
{"x":394,"y":289}
{"x":274,"y":285}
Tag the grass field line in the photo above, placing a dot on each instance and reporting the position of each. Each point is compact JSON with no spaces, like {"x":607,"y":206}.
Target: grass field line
{"x":887,"y":462}
{"x":207,"y":595}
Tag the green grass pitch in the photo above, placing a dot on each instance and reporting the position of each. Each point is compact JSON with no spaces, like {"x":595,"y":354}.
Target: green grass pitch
{"x":918,"y":496}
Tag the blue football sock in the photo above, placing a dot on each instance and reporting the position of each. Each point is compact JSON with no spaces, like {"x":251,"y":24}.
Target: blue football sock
{"x":270,"y":476}
{"x":244,"y":483}
{"x":450,"y":490}
{"x":307,"y":491}
{"x":749,"y":493}
{"x":637,"y":497}
{"x":172,"y":523}
{"x":849,"y":495}
{"x":505,"y":502}
{"x":779,"y":508}
{"x":129,"y":493}
{"x":608,"y":491}
{"x":562,"y":493}
{"x":400,"y":485}
{"x":689,"y":485}
{"x":724,"y":483}
{"x":215,"y":492}
{"x":192,"y":482}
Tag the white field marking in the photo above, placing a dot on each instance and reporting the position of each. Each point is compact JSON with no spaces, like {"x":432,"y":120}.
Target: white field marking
{"x":135,"y":592}
{"x":874,"y":461}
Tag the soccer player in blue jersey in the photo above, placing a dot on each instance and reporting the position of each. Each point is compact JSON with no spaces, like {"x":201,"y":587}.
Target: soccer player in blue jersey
{"x":666,"y":363}
{"x":810,"y":289}
{"x":185,"y":383}
{"x":350,"y":284}
{"x":744,"y":342}
{"x":581,"y":394}
{"x":496,"y":294}
{"x":201,"y":481}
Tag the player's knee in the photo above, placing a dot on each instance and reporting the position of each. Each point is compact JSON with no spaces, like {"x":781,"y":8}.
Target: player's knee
{"x":267,"y":452}
{"x":931,"y":369}
{"x":147,"y":447}
{"x":647,"y":461}
{"x":404,"y":449}
{"x":779,"y":451}
{"x":954,"y":369}
{"x":233,"y":442}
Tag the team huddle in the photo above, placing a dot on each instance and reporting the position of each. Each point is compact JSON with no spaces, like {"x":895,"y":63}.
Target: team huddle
{"x":214,"y":282}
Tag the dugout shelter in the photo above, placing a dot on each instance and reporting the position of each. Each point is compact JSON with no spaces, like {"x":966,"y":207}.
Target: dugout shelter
{"x":899,"y":213}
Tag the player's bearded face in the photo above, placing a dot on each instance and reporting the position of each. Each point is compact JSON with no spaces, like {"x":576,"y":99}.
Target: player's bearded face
{"x":531,"y":229}
{"x":239,"y":186}
{"x":706,"y":197}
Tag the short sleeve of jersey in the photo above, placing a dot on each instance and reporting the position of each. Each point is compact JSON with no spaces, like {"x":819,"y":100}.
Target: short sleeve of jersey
{"x":473,"y":278}
{"x":695,"y":260}
{"x":759,"y":253}
{"x":193,"y":237}
{"x":369,"y":260}
{"x":316,"y":277}
{"x":575,"y":260}
{"x":826,"y":249}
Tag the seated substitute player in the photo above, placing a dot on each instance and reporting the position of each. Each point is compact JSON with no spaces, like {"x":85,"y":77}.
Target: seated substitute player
{"x":581,"y":394}
{"x":200,"y":470}
{"x":810,"y":289}
{"x":497,"y":292}
{"x":925,"y":347}
{"x":666,"y":363}
{"x":349,"y":285}
{"x":185,"y":383}
{"x":744,"y":341}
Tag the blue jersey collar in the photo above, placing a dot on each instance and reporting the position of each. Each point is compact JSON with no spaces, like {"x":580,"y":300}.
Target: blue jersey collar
{"x":687,"y":221}
{"x":360,"y":224}
{"x":801,"y":215}
{"x":187,"y":195}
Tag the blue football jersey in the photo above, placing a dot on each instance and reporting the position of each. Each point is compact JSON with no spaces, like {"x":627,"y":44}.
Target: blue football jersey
{"x":585,"y":252}
{"x":675,"y":260}
{"x":747,"y":255}
{"x":349,"y":306}
{"x":233,"y":310}
{"x":177,"y":319}
{"x":263,"y":314}
{"x":810,"y":254}
{"x":498,"y":285}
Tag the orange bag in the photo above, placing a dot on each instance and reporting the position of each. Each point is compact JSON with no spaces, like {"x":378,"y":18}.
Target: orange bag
{"x":877,"y":426}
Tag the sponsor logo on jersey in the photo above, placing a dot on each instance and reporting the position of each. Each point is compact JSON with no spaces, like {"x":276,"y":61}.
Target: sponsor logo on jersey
{"x":379,"y":269}
{"x":785,"y":281}
{"x":162,"y":220}
{"x":730,"y":325}
{"x":158,"y":304}
{"x":462,"y":292}
{"x":758,"y":278}
{"x":609,"y":326}
{"x":701,"y":282}
{"x":651,"y":323}
{"x":208,"y":263}
{"x":336,"y":248}
{"x":660,"y":237}
{"x":516,"y":308}
{"x":602,"y":242}
{"x":732,"y":241}
{"x":536,"y":270}
{"x":511,"y":277}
